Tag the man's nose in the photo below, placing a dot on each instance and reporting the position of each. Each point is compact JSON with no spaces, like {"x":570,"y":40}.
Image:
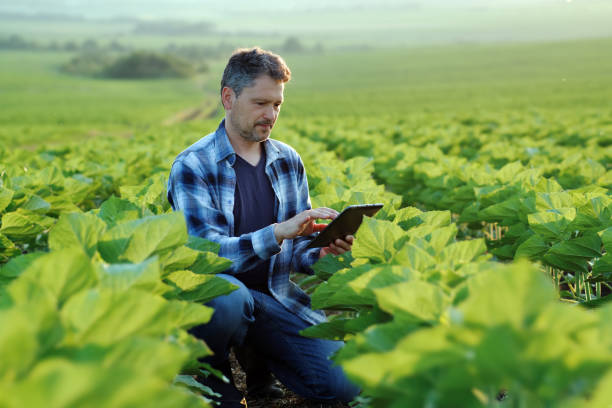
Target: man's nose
{"x":270,"y":113}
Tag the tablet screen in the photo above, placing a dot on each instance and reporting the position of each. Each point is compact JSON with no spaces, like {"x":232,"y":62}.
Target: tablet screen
{"x":346,"y":223}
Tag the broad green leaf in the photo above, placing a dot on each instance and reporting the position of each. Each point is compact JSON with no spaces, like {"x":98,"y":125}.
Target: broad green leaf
{"x":199,"y":288}
{"x":436,"y":218}
{"x":58,"y":383}
{"x":325,"y":267}
{"x":507,"y":174}
{"x":62,"y":273}
{"x":151,"y":356}
{"x":210,"y":263}
{"x":340,"y":328}
{"x":8,"y":249}
{"x":441,"y":237}
{"x":376,"y":240}
{"x":19,"y":345}
{"x":462,"y":252}
{"x":405,"y":215}
{"x":505,"y":212}
{"x":104,"y":316}
{"x":552,"y":225}
{"x":17,"y":265}
{"x":201,"y":244}
{"x":22,"y":224}
{"x":415,"y":258}
{"x":606,"y":238}
{"x":335,"y":293}
{"x":190,"y":382}
{"x":137,"y":240}
{"x":564,"y":262}
{"x":533,"y":248}
{"x":412,"y":301}
{"x":178,"y":258}
{"x":512,"y":294}
{"x":595,"y":215}
{"x":587,"y":246}
{"x":115,"y":211}
{"x":554,"y":200}
{"x":6,"y":196}
{"x":603,"y":266}
{"x":76,"y":230}
{"x":144,"y":275}
{"x":36,"y":204}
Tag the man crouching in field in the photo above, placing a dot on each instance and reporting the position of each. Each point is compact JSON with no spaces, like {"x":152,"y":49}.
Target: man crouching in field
{"x":249,"y":193}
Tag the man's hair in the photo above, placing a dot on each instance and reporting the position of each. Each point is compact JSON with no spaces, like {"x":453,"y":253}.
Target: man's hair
{"x":246,"y":64}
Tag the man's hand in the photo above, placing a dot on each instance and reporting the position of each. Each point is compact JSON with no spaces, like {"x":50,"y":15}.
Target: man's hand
{"x":303,"y":223}
{"x":338,"y":247}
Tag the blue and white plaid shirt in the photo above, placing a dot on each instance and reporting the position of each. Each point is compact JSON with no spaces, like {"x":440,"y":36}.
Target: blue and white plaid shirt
{"x":202,"y":183}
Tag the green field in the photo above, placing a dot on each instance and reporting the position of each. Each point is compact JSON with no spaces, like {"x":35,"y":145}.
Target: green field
{"x":485,"y":281}
{"x":40,"y":103}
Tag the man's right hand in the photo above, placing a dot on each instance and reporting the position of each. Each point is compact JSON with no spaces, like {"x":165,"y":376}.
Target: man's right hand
{"x":303,"y":223}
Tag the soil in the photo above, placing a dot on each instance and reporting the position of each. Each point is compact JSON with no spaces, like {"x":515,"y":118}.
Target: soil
{"x":290,"y":400}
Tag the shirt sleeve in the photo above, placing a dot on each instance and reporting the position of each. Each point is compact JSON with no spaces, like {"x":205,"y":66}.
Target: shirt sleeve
{"x":189,"y":192}
{"x":303,"y":258}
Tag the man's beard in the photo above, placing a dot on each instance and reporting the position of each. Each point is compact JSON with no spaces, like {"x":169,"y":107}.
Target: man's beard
{"x":251,"y":135}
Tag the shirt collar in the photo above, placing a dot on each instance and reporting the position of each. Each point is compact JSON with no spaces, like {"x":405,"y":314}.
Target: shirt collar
{"x":224,"y":148}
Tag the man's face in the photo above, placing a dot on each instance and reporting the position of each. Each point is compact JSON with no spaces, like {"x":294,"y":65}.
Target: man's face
{"x":253,"y":113}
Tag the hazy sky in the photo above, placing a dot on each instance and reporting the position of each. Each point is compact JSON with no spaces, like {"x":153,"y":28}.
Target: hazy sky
{"x":391,"y":22}
{"x":203,"y":9}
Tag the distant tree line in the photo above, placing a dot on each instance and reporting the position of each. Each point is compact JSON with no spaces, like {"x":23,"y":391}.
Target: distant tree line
{"x":17,"y":42}
{"x":173,"y":27}
{"x":132,"y":65}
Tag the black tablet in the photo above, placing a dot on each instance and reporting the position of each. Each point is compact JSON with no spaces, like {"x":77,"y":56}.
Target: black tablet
{"x":346,"y":223}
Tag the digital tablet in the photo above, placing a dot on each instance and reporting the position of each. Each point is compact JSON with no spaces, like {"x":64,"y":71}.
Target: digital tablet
{"x":346,"y":223}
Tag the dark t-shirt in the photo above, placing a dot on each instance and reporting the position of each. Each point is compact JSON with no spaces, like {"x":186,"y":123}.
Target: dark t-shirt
{"x":254,"y":208}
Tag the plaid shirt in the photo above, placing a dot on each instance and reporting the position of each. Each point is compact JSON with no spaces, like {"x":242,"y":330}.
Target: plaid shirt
{"x":202,"y":183}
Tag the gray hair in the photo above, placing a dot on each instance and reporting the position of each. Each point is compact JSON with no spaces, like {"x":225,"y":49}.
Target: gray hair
{"x":246,"y":64}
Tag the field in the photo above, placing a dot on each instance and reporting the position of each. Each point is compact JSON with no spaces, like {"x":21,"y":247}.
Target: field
{"x":484,"y":281}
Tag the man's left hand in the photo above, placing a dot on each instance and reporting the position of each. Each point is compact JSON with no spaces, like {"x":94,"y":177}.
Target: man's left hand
{"x":338,"y":247}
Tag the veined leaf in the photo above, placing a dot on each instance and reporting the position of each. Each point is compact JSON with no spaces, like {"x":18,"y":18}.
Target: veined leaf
{"x":105,"y":317}
{"x":533,"y":248}
{"x":462,"y":252}
{"x":507,"y":295}
{"x":22,"y":224}
{"x":6,"y":196}
{"x":606,"y":238}
{"x":412,"y":301}
{"x":76,"y":230}
{"x":199,"y":288}
{"x":552,"y":225}
{"x":137,"y":240}
{"x":588,"y":246}
{"x":144,"y":275}
{"x":376,"y":240}
{"x":116,"y":210}
{"x":61,"y":273}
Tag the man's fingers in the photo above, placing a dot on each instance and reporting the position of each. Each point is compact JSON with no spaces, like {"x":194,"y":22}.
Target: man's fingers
{"x":323,"y":213}
{"x":343,"y":245}
{"x":319,"y":227}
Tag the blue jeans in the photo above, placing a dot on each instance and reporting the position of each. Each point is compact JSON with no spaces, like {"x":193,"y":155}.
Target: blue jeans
{"x":299,"y":362}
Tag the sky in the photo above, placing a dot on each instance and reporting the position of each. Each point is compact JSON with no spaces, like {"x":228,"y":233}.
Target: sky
{"x":391,"y":22}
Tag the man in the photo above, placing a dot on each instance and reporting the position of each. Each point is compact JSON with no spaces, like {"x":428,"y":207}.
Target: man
{"x":249,"y":193}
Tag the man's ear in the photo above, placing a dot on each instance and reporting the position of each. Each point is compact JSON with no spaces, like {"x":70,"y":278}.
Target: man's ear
{"x":227,"y":97}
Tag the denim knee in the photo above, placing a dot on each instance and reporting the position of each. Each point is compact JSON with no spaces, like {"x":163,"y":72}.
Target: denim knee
{"x":233,"y":313}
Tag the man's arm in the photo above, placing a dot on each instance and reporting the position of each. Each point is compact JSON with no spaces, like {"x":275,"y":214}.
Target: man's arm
{"x":188,"y":192}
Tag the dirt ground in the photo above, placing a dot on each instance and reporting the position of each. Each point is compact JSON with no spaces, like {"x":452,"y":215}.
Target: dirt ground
{"x":290,"y":400}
